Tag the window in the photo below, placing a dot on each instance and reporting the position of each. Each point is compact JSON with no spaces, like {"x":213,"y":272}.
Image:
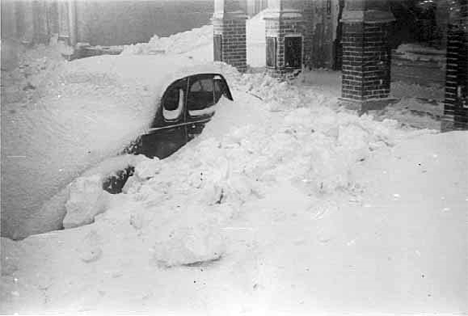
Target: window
{"x":201,"y":97}
{"x":271,"y":52}
{"x":173,"y":101}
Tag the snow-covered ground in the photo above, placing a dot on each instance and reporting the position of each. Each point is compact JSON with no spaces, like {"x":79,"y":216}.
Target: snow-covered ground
{"x":288,"y":203}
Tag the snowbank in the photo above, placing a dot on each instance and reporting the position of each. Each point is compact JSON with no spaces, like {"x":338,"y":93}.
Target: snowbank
{"x":175,"y":44}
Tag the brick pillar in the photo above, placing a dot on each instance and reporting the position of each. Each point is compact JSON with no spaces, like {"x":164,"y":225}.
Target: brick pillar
{"x":229,"y":34}
{"x":284,"y":31}
{"x":366,"y":51}
{"x":456,"y":80}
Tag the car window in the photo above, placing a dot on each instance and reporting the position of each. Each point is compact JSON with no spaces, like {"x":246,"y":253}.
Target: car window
{"x":202,"y":85}
{"x":219,"y":88}
{"x":201,"y":96}
{"x":173,"y":101}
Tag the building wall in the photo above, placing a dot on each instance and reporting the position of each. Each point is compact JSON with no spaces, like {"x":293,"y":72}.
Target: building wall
{"x":128,"y":22}
{"x":113,"y":22}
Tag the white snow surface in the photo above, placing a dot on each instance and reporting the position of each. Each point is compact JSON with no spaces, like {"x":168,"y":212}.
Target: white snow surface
{"x":287,"y":204}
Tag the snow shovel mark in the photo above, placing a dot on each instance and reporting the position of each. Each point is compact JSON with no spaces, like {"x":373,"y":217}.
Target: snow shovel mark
{"x":238,"y":228}
{"x":91,"y":255}
{"x":321,"y":213}
{"x":90,"y":118}
{"x":203,"y":263}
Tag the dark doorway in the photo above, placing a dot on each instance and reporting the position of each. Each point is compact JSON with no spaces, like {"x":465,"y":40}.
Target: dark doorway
{"x":293,"y":52}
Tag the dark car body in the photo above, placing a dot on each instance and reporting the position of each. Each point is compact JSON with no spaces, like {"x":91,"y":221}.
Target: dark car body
{"x":185,"y":108}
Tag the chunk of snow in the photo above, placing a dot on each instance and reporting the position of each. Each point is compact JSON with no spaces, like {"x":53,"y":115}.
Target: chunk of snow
{"x":87,"y":199}
{"x":194,"y":239}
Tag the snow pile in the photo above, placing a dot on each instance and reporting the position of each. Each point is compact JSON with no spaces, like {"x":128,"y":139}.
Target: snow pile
{"x":182,"y":202}
{"x":86,"y":200}
{"x":198,"y":43}
{"x":415,"y":113}
{"x":175,"y":44}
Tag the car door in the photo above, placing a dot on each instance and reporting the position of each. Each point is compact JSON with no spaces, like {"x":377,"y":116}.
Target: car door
{"x":168,"y":132}
{"x":204,"y":91}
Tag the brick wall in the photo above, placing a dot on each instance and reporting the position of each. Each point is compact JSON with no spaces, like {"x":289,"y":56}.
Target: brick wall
{"x":233,"y":41}
{"x":456,"y":81}
{"x":308,"y":14}
{"x":366,"y":61}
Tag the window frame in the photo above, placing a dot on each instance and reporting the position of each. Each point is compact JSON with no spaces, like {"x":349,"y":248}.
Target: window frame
{"x":300,"y":38}
{"x":273,"y":57}
{"x":184,"y":101}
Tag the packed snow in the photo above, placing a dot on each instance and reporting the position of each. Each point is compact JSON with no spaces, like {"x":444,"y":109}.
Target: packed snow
{"x":288,"y":203}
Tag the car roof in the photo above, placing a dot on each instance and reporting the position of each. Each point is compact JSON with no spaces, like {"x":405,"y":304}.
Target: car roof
{"x":156,"y":72}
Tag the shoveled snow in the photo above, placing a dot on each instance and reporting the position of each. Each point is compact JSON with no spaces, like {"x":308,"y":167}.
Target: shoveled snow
{"x":287,"y":204}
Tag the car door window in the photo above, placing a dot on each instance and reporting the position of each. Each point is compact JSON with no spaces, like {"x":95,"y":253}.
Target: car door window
{"x":173,"y":101}
{"x":201,"y":96}
{"x":219,"y":88}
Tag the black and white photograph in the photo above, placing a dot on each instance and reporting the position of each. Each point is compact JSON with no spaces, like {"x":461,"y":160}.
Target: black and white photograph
{"x":234,"y":157}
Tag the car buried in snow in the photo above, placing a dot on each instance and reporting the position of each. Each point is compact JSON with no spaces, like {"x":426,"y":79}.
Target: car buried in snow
{"x":186,"y":106}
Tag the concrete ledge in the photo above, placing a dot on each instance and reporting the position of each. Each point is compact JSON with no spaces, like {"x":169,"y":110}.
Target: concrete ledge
{"x":367,"y":105}
{"x":235,"y":15}
{"x":270,"y":14}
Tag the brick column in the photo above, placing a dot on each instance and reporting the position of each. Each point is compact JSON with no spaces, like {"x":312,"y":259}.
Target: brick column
{"x":366,"y":51}
{"x":284,"y":31}
{"x":229,"y":34}
{"x":456,"y":80}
